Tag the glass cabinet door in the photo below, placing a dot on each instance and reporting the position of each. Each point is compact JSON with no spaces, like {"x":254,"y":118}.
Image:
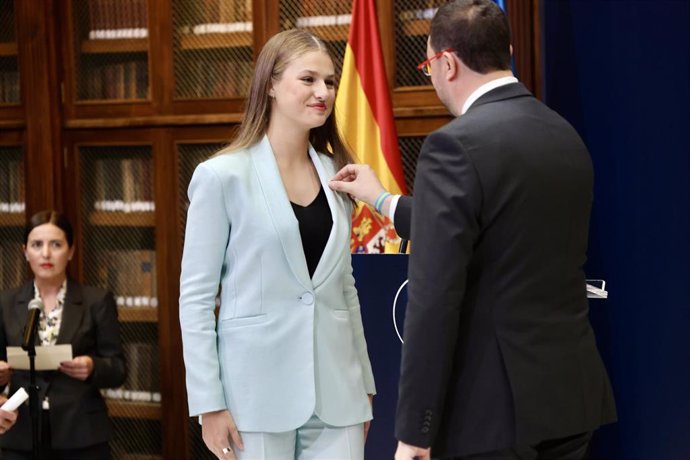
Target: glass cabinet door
{"x":13,"y":268}
{"x":9,"y":71}
{"x":111,"y":49}
{"x":119,"y":251}
{"x":212,"y":48}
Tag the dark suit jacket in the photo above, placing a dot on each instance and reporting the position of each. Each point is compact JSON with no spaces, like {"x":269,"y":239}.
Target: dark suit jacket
{"x":402,"y":220}
{"x":498,"y":347}
{"x":78,"y":414}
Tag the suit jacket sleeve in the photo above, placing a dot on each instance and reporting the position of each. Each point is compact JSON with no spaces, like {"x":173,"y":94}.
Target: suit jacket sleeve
{"x":402,"y":219}
{"x":206,"y":238}
{"x":108,"y":360}
{"x":445,"y":225}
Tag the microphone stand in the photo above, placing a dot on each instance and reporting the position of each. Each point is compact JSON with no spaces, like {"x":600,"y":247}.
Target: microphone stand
{"x":34,"y":403}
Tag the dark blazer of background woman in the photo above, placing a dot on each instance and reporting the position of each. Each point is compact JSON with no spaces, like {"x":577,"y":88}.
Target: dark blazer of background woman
{"x":78,"y":413}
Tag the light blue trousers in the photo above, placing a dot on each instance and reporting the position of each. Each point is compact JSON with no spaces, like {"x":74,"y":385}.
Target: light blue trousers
{"x":312,"y":441}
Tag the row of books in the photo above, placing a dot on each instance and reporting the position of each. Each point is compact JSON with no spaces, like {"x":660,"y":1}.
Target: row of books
{"x":7,"y":19}
{"x":123,"y":184}
{"x":136,"y":301}
{"x":124,"y":394}
{"x":143,"y":380}
{"x":426,"y":14}
{"x":208,"y":79}
{"x":120,"y":80}
{"x":309,"y":8}
{"x":128,"y":273}
{"x":14,"y":207}
{"x":113,"y":19}
{"x":324,"y":21}
{"x":12,"y":195}
{"x":124,"y":206}
{"x":9,"y":86}
{"x":217,"y":12}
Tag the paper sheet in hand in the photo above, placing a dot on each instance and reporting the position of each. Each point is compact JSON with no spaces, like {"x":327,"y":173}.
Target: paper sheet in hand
{"x":47,"y":358}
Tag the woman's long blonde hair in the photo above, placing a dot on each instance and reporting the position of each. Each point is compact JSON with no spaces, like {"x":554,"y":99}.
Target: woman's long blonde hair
{"x":275,"y":56}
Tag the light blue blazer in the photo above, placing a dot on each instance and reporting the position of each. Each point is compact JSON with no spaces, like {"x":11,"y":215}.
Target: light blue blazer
{"x":286,"y":346}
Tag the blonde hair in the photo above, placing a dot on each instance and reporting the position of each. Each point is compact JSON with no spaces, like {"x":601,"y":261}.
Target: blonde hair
{"x":275,"y":56}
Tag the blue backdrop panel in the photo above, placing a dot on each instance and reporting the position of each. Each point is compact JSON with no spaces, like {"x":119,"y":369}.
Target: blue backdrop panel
{"x":620,"y":72}
{"x":378,"y":279}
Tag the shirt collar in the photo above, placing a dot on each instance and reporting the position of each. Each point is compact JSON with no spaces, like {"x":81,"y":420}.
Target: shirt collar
{"x":485,"y":88}
{"x":60,"y":296}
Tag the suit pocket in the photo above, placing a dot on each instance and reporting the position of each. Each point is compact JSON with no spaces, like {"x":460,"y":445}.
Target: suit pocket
{"x":341,"y":314}
{"x":243,"y":321}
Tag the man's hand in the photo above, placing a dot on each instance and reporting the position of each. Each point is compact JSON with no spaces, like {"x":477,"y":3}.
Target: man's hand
{"x":367,"y":424}
{"x":358,"y":180}
{"x":79,"y":368}
{"x":408,"y":452}
{"x":217,"y":430}
{"x":7,"y":419}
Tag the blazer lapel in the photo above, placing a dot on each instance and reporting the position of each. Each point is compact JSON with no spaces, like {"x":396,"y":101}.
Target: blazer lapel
{"x":21,"y":312}
{"x":280,"y":210}
{"x":72,"y":312}
{"x":332,"y":253}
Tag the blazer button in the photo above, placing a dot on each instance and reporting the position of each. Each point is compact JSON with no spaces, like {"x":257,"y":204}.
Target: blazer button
{"x":425,"y":429}
{"x":307,"y":298}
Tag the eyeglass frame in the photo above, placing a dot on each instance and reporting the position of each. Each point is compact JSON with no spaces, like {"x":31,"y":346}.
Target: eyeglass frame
{"x":425,"y":66}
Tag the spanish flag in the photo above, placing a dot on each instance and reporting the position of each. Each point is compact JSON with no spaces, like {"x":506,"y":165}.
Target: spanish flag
{"x":366,"y":122}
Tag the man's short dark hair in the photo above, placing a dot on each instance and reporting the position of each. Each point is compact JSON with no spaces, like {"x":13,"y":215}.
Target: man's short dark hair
{"x":477,"y":30}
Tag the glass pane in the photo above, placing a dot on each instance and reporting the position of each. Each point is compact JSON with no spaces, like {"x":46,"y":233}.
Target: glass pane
{"x":212,"y":48}
{"x":111,"y":49}
{"x":118,"y":202}
{"x":409,"y":151}
{"x":13,"y":269}
{"x":119,"y":255}
{"x":136,"y":439}
{"x":412,"y":21}
{"x":327,"y":19}
{"x":9,"y":71}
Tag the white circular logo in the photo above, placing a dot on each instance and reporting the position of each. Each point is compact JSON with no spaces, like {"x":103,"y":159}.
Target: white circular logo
{"x":395,"y":303}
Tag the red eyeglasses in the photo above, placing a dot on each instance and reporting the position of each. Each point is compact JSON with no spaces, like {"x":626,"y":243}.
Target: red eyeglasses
{"x":425,"y":66}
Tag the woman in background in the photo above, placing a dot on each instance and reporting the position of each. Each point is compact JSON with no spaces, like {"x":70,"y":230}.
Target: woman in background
{"x":284,"y":372}
{"x":74,"y":418}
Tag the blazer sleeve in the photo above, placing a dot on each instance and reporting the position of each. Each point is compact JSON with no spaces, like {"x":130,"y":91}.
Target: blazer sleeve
{"x":206,"y":239}
{"x":402,"y":219}
{"x":108,"y":358}
{"x":352,"y":299}
{"x":445,"y":226}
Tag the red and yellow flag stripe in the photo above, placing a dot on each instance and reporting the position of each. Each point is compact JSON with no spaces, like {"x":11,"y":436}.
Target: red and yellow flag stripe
{"x":365,"y":117}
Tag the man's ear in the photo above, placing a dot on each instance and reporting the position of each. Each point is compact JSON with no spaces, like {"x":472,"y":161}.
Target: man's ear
{"x":451,"y":66}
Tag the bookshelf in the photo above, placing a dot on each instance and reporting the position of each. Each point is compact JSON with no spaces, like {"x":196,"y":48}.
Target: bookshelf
{"x":118,"y":242}
{"x":128,"y":96}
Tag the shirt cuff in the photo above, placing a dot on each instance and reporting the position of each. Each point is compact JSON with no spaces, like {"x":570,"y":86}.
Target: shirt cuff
{"x":391,"y":208}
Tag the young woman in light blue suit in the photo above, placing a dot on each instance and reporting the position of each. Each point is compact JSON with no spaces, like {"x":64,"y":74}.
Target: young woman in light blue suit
{"x":283,"y":373}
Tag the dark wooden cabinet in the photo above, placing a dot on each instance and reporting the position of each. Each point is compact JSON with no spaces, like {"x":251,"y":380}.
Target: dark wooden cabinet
{"x":107,"y":106}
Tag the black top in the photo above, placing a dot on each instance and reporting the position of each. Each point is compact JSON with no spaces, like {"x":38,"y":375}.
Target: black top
{"x":315,"y":224}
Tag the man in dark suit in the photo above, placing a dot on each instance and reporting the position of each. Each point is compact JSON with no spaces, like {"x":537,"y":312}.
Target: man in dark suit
{"x":499,"y":359}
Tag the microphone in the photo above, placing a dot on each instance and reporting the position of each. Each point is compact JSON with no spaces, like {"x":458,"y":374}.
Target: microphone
{"x":35,"y":308}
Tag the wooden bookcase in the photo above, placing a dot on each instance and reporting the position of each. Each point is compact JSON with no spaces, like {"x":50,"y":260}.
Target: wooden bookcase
{"x":126,"y":98}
